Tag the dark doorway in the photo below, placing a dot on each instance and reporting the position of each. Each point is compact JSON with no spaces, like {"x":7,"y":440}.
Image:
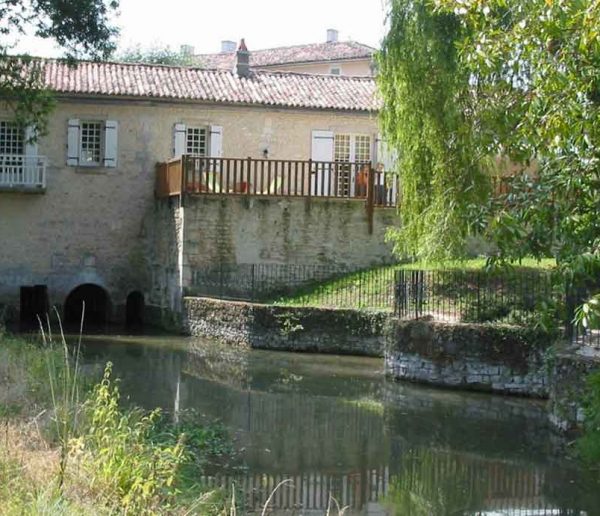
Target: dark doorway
{"x":134,"y":310}
{"x":33,"y":304}
{"x":96,"y":305}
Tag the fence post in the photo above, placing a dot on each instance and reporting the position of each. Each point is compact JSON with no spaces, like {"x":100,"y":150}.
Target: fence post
{"x":252,"y":298}
{"x":370,"y":197}
{"x":220,"y":281}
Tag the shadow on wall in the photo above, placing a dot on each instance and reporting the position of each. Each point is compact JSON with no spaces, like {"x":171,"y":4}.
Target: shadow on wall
{"x":134,"y":310}
{"x":97,"y":305}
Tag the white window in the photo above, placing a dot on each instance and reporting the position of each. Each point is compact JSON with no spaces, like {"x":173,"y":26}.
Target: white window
{"x":11,"y":138}
{"x":92,"y":143}
{"x":351,"y":149}
{"x":195,"y":141}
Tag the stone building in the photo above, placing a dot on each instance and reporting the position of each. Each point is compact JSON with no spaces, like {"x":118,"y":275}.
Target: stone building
{"x":77,"y":208}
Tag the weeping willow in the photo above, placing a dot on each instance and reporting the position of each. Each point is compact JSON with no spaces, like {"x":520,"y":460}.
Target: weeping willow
{"x":425,"y":117}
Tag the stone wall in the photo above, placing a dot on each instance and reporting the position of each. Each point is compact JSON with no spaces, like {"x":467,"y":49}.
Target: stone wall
{"x":237,"y":229}
{"x":570,"y":369}
{"x":478,"y":357}
{"x":286,"y":328}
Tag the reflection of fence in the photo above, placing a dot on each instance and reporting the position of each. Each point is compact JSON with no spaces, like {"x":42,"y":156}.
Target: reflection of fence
{"x":303,"y":285}
{"x":307,"y":492}
{"x":470,"y":295}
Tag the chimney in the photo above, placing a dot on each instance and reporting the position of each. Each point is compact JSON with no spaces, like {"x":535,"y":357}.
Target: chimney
{"x":227,"y":46}
{"x":186,"y":50}
{"x":332,"y":36}
{"x":242,"y":60}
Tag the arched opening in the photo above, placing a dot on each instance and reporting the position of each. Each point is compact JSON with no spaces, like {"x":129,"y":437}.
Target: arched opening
{"x":96,"y":302}
{"x":134,"y":309}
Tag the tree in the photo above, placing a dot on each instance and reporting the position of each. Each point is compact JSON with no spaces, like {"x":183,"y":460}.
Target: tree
{"x":425,"y":88}
{"x":156,"y":55}
{"x":532,"y":71}
{"x":81,"y":27}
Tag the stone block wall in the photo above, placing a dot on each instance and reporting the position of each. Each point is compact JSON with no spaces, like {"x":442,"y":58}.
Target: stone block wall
{"x":469,"y":356}
{"x":286,"y":328}
{"x":282,"y":230}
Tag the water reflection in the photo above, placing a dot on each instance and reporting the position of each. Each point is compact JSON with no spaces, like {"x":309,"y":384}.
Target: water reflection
{"x":336,"y":428}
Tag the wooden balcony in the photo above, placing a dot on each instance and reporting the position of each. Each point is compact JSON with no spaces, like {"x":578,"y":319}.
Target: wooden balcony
{"x":20,"y":173}
{"x":277,"y":178}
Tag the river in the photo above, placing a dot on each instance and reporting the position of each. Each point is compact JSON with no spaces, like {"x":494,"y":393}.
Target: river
{"x":341,"y":433}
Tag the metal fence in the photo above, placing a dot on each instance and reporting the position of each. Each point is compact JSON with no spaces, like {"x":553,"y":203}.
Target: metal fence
{"x":515,"y":296}
{"x":330,"y":286}
{"x":472,"y":295}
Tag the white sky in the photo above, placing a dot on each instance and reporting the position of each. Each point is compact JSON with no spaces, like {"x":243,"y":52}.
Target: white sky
{"x":264,"y":23}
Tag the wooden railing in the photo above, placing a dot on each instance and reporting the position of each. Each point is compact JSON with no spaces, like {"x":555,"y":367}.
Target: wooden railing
{"x":267,"y":177}
{"x":22,"y":172}
{"x":169,"y":178}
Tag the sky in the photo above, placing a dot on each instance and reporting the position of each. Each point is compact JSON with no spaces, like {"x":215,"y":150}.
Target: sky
{"x":263,"y":23}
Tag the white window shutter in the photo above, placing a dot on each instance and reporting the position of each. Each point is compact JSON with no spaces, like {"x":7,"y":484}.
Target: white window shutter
{"x":31,"y":148}
{"x":215,"y":141}
{"x":179,"y":131}
{"x":111,"y":138}
{"x":321,"y":150}
{"x":73,"y":142}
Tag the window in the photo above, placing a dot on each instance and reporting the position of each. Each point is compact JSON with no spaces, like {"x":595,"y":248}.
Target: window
{"x":195,"y":141}
{"x":11,"y":138}
{"x":91,"y":143}
{"x":335,"y":70}
{"x":354,"y":148}
{"x":350,"y":148}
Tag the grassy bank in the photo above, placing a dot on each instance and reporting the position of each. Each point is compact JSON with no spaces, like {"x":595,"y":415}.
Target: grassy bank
{"x":68,"y":446}
{"x":374,"y":288}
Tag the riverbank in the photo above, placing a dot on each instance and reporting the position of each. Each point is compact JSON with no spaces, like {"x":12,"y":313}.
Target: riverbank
{"x":70,"y":447}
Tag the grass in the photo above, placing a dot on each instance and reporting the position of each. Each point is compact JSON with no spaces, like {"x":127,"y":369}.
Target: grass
{"x":373,"y":289}
{"x":66,"y":448}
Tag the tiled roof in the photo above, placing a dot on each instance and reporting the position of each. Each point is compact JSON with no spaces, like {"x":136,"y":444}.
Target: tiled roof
{"x":316,"y":52}
{"x":184,"y":83}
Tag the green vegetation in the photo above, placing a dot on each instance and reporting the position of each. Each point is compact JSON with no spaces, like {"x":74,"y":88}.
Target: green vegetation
{"x":81,"y":27}
{"x":374,"y":288}
{"x":473,"y":88}
{"x":69,"y":448}
{"x":155,"y":55}
{"x":589,"y":444}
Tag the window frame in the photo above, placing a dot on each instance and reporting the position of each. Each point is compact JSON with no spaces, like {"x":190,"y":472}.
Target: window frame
{"x":101,"y":143}
{"x":15,"y":129}
{"x":202,"y":130}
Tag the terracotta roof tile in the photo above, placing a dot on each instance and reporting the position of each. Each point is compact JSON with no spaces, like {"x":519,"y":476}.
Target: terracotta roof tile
{"x":333,"y":51}
{"x":184,"y":83}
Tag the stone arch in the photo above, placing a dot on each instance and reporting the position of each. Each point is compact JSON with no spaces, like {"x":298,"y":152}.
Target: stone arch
{"x":97,"y":305}
{"x":134,"y":309}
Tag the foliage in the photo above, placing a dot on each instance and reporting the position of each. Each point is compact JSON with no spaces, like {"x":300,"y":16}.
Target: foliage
{"x":589,"y":444}
{"x":155,"y":55}
{"x":425,"y":89}
{"x":536,"y":96}
{"x":118,"y":460}
{"x":81,"y":27}
{"x":119,"y":451}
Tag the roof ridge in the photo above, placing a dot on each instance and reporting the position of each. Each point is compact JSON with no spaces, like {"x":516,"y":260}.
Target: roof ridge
{"x":286,"y":47}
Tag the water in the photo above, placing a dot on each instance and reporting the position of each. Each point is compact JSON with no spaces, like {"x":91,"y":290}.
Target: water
{"x":336,"y":427}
